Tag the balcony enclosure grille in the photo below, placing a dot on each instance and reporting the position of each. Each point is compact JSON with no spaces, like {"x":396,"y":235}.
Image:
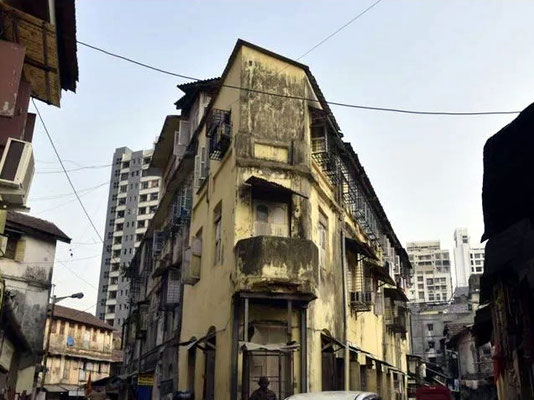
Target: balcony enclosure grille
{"x":329,"y":157}
{"x":219,"y":132}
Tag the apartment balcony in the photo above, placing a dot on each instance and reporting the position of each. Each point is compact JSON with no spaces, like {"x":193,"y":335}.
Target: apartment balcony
{"x":275,"y":264}
{"x":397,"y":324}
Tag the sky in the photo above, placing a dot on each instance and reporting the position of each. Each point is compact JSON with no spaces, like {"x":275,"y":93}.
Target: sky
{"x":446,"y":55}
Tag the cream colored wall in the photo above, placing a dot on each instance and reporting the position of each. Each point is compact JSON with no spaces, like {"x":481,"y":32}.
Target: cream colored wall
{"x":211,"y":296}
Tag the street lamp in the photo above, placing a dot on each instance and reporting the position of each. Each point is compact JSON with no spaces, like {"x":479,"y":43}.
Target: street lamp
{"x":55,"y":300}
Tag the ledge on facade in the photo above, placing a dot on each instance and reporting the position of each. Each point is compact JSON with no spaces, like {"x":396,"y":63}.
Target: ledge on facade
{"x":276,"y":264}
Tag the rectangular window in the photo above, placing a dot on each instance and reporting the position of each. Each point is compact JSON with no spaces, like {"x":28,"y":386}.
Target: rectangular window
{"x":141,"y":224}
{"x":323,"y":238}
{"x":142,"y":211}
{"x":271,"y":218}
{"x":11,"y":247}
{"x":124,"y":188}
{"x":143,"y":197}
{"x":430,"y":327}
{"x":154,"y":183}
{"x":124,"y":177}
{"x":201,"y":167}
{"x":120,"y":214}
{"x":153,"y":209}
{"x":217,"y":219}
{"x":431,"y":344}
{"x":153,"y":196}
{"x":62,"y":328}
{"x":144,"y":185}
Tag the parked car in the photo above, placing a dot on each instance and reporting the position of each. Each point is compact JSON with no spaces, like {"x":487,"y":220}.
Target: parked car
{"x":433,"y":393}
{"x":335,"y":395}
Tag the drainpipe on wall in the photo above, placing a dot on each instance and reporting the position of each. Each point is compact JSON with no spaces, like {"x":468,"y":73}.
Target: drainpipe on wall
{"x":345,"y":314}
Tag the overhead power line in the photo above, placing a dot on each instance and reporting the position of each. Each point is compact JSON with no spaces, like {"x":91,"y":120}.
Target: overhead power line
{"x":61,"y":195}
{"x":333,"y":103}
{"x":74,"y":169}
{"x":65,"y":171}
{"x":339,"y":29}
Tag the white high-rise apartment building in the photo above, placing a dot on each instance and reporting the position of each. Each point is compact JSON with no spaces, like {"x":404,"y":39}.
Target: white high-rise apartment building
{"x":432,"y":272}
{"x":467,"y":260}
{"x":133,"y":200}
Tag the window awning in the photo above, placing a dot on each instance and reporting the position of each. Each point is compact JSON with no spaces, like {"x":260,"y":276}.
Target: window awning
{"x":356,"y":349}
{"x":194,"y":342}
{"x":268,"y":186}
{"x":250,"y":346}
{"x":329,"y":341}
{"x":380,"y":273}
{"x":395,"y":294}
{"x":358,"y":247}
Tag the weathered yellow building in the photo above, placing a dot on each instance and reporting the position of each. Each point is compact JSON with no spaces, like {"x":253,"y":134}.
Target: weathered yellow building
{"x":290,"y":268}
{"x":81,"y":348}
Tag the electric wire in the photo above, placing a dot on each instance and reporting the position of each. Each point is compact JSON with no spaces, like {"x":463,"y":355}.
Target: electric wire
{"x":62,"y":195}
{"x":339,"y":29}
{"x":66,"y":173}
{"x":333,"y":103}
{"x":74,"y":169}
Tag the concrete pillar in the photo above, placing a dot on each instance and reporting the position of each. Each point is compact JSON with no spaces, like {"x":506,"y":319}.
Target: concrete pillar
{"x":355,"y":381}
{"x":372,"y":384}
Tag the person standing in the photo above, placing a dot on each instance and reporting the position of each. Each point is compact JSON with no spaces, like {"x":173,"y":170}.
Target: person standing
{"x":263,"y":392}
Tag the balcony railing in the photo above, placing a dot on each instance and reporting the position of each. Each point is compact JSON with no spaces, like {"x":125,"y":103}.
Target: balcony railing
{"x":338,"y":172}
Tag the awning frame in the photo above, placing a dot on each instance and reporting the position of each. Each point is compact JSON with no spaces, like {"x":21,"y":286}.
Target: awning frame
{"x":358,"y":247}
{"x":268,"y":186}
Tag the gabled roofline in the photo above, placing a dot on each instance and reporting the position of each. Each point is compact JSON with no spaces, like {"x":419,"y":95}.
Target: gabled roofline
{"x":35,"y":226}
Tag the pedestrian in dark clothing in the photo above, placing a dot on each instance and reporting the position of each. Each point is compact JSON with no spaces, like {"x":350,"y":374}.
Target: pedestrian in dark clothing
{"x":263,"y":393}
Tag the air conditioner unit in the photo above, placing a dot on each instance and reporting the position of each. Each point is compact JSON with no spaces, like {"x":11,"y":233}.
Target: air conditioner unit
{"x":16,"y":172}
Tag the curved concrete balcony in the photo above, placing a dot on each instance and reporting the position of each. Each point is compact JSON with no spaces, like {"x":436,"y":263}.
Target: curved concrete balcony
{"x":272,"y":264}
